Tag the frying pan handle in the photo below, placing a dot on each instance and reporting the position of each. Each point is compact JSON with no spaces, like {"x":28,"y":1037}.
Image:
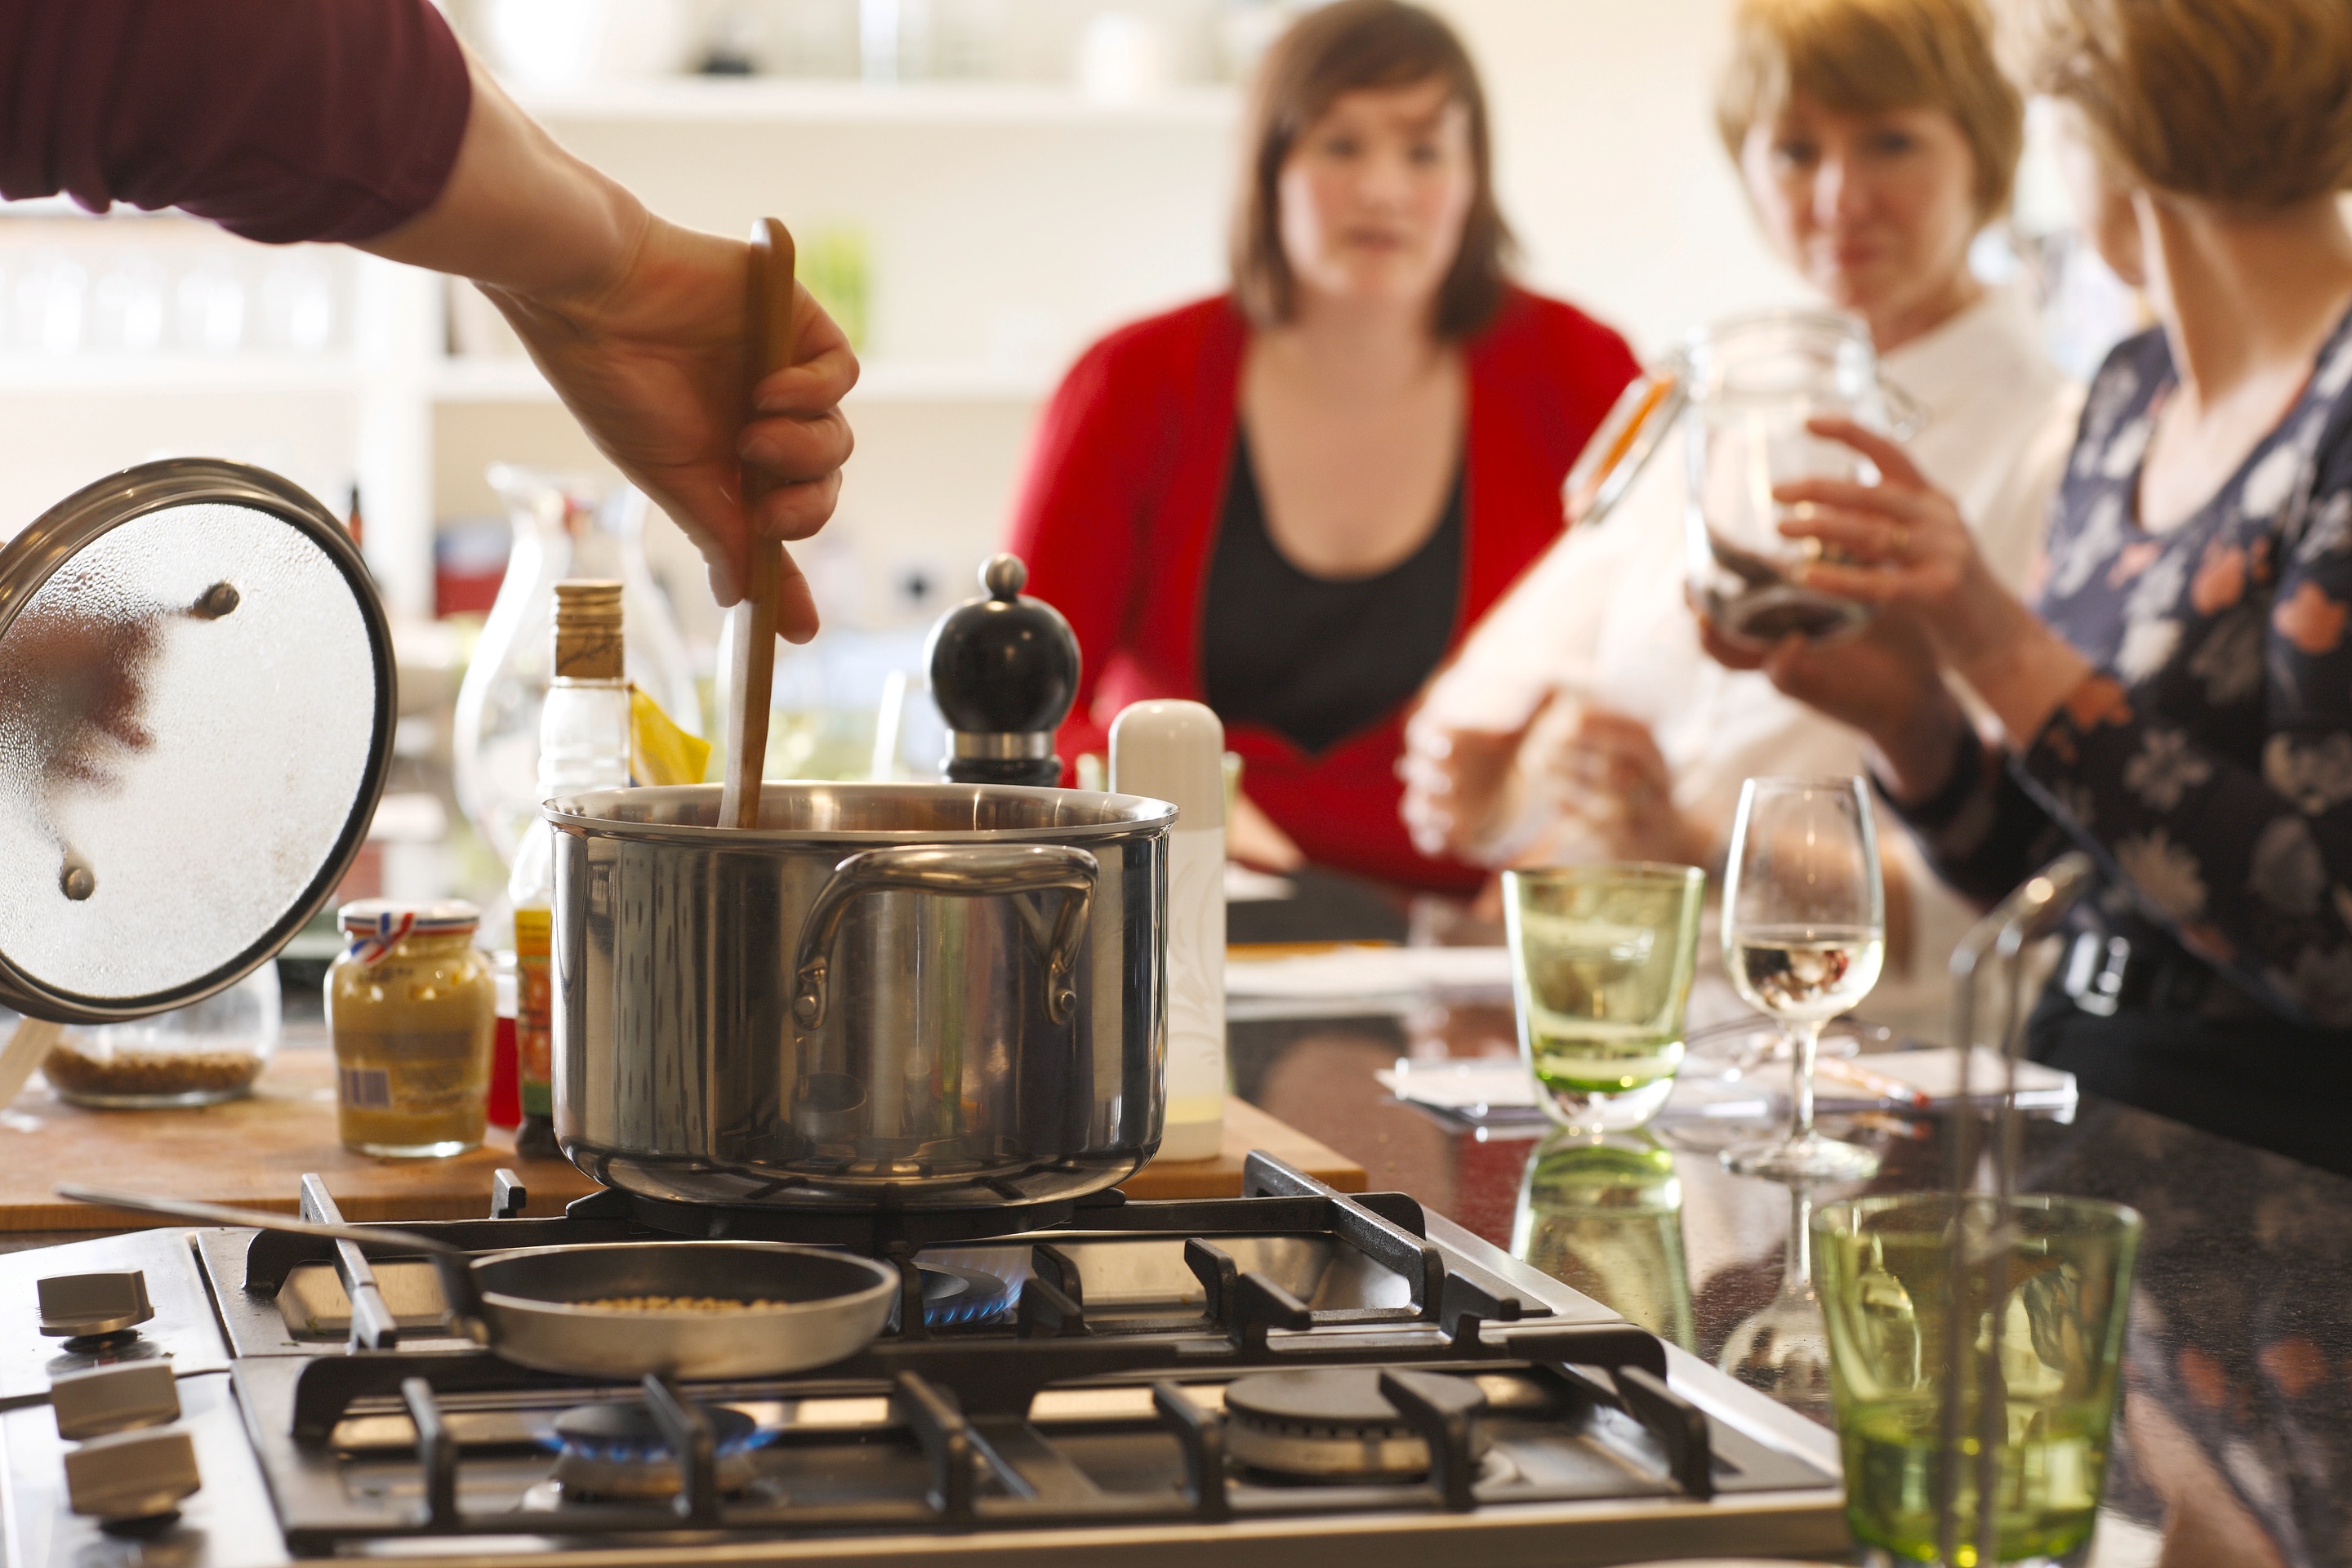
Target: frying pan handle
{"x":964,"y":871}
{"x":453,"y":1264}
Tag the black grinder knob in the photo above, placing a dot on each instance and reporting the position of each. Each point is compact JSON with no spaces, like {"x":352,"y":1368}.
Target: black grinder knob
{"x":1005,"y":670}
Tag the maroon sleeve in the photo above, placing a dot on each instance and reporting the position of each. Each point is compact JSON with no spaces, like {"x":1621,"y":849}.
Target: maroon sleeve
{"x":279,"y":120}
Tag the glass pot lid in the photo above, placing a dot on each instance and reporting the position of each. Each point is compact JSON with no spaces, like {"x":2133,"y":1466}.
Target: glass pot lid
{"x":196,"y":705}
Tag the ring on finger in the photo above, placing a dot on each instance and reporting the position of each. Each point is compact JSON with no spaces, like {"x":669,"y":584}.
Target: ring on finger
{"x":1901,"y":549}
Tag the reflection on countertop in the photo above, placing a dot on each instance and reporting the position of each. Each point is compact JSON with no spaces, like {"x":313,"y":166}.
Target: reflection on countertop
{"x":2236,"y":1437}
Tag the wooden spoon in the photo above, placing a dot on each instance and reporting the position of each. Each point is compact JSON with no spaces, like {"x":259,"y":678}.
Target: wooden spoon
{"x":752,"y":623}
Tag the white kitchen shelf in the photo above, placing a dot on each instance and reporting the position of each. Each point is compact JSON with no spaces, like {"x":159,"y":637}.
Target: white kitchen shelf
{"x":489,"y":379}
{"x":224,"y":374}
{"x":751,"y":99}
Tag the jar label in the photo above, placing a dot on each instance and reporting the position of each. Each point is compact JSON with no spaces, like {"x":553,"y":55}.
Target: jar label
{"x":534,"y":998}
{"x":369,"y":1088}
{"x":411,"y":1072}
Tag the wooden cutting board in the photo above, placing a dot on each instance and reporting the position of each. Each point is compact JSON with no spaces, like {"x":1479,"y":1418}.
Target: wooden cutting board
{"x":254,"y":1151}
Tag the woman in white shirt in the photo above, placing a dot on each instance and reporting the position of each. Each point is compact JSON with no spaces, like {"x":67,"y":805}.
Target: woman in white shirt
{"x":1583,"y":720}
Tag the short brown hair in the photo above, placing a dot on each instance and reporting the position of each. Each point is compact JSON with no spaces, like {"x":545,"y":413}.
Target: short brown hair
{"x":1340,"y":48}
{"x":1867,"y":57}
{"x":2247,"y":102}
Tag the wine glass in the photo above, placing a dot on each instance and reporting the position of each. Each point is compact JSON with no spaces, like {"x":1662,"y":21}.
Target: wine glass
{"x":1804,"y":932}
{"x":1782,"y":1349}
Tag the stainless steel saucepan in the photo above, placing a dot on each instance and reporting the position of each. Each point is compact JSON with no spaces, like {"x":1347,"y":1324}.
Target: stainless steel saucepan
{"x":903,"y":996}
{"x":800,"y":1306}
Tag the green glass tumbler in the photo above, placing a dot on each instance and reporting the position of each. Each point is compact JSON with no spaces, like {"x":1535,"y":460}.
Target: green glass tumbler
{"x":1601,"y":958}
{"x":2033,"y":1321}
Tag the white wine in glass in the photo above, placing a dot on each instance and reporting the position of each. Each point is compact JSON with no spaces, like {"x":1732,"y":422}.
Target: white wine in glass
{"x":1805,"y":934}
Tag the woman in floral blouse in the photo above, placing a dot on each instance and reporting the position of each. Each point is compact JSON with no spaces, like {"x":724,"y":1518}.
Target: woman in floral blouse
{"x":2179,"y":700}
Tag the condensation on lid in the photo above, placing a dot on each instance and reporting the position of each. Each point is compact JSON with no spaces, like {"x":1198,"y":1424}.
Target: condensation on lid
{"x":195,"y":712}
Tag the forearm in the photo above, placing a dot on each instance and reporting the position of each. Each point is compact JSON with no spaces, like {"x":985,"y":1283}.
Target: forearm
{"x":2012,"y":660}
{"x":521,"y":214}
{"x":1913,"y":750}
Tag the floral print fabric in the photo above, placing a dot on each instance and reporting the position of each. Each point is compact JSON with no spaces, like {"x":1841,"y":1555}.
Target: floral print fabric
{"x":2207,"y":765}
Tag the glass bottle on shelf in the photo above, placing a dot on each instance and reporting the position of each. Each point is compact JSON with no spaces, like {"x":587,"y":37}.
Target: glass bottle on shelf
{"x":584,"y":744}
{"x":564,"y":526}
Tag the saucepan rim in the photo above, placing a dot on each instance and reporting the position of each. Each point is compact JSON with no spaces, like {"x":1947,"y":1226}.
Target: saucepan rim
{"x":1144,"y":816}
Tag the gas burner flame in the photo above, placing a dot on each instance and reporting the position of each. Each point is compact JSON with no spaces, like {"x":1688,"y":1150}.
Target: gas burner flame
{"x":958,"y":1297}
{"x":623,"y":1432}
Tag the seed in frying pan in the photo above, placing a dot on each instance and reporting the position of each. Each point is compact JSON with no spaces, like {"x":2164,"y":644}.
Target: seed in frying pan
{"x":676,"y":1304}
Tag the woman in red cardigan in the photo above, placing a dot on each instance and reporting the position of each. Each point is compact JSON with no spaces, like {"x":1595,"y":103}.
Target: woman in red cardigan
{"x":1292,"y":501}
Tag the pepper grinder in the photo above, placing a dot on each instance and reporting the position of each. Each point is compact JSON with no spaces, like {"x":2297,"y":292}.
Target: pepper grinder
{"x":1005,"y":670}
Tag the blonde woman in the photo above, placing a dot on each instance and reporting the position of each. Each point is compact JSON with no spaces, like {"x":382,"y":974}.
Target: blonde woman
{"x":2175,"y":698}
{"x":1875,"y":139}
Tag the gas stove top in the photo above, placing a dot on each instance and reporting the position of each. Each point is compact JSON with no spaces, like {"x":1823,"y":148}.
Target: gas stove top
{"x":1288,"y":1377}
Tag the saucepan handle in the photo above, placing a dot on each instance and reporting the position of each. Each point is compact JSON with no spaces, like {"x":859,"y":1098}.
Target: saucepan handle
{"x":963,"y":872}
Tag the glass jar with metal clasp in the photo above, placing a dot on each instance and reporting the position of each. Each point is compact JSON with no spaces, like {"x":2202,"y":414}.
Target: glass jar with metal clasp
{"x":1742,"y":393}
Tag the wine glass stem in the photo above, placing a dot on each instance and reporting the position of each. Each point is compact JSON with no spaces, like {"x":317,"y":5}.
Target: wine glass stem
{"x":1805,"y":1039}
{"x":1797,"y":1262}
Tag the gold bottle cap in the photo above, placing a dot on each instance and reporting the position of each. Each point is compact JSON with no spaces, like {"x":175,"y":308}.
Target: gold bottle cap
{"x":587,"y":629}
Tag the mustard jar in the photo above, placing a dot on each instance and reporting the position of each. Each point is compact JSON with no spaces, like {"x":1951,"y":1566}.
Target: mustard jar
{"x":413,"y":1007}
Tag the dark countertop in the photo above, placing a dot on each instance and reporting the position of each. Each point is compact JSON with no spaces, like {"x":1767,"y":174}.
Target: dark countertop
{"x":2235,"y":1439}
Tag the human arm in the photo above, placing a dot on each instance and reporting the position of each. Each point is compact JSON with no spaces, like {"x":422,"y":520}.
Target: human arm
{"x":640,"y":326}
{"x":2242,"y":848}
{"x":1972,"y":820}
{"x":1498,"y":799}
{"x":1464,"y":795}
{"x":1907,"y":549}
{"x":364,"y":122}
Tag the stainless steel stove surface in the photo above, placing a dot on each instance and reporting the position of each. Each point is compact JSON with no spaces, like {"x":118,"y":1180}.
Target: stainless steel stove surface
{"x":1290,"y":1377}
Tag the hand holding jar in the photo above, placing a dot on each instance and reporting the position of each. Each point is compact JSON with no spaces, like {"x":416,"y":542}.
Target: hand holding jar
{"x":412,"y":1005}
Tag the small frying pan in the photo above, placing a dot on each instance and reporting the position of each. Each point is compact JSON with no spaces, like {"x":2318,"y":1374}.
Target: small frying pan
{"x":527,"y":1305}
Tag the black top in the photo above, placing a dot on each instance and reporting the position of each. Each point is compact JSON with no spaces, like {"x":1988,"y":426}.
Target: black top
{"x":1319,"y":658}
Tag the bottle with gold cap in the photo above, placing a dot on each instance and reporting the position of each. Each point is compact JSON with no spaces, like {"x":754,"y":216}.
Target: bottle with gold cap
{"x":584,"y":744}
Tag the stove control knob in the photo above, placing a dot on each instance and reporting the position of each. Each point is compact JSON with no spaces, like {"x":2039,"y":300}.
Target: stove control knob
{"x":131,"y":1475}
{"x":114,"y":1399}
{"x":74,"y":1305}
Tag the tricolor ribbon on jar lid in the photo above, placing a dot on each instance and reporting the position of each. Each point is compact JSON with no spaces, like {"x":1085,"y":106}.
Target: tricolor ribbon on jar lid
{"x":370,"y":945}
{"x":376,"y":926}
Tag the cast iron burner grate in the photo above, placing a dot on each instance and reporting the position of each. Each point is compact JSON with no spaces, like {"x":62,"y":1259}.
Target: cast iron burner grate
{"x":1387,"y":1228}
{"x":970,"y":1452}
{"x":1502,"y":1404}
{"x":877,"y":1233}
